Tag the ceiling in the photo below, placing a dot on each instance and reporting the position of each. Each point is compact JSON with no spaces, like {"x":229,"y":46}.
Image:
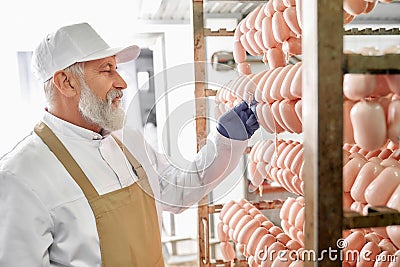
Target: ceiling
{"x":179,"y":11}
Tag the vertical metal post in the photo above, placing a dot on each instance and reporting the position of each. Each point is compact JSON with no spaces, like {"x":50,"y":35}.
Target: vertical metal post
{"x":201,"y":123}
{"x":322,"y":35}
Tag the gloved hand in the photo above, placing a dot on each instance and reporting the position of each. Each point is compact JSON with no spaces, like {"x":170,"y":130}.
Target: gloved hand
{"x":239,"y":123}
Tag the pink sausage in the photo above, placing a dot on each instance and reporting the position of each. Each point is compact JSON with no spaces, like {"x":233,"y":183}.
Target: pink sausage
{"x":285,"y":87}
{"x":278,"y":5}
{"x":381,"y":85}
{"x":227,"y":251}
{"x":358,"y":86}
{"x":283,"y":155}
{"x":255,"y":239}
{"x":289,"y":116}
{"x":383,"y":255}
{"x":261,"y":118}
{"x":246,"y":232}
{"x":355,"y":241}
{"x":393,"y":82}
{"x":269,"y":9}
{"x":283,"y":238}
{"x":290,"y":16}
{"x":260,"y":86}
{"x":229,"y":214}
{"x":254,"y":211}
{"x":239,"y":54}
{"x":225,"y":208}
{"x":269,"y":153}
{"x":276,"y":86}
{"x":292,"y":46}
{"x":299,"y":221}
{"x":369,"y":171}
{"x":253,"y":84}
{"x":293,"y":245}
{"x":299,"y":12}
{"x":273,"y":117}
{"x":222,"y":236}
{"x":267,"y":34}
{"x":368,"y":254}
{"x":393,"y":121}
{"x":236,"y":218}
{"x":268,"y":85}
{"x":373,"y":237}
{"x":252,"y":42}
{"x":276,"y":58}
{"x":348,"y":135}
{"x":292,"y":154}
{"x":259,"y":41}
{"x":277,"y":115}
{"x":261,"y":218}
{"x":387,"y":245}
{"x":350,"y":172}
{"x":265,"y":243}
{"x":251,"y":18}
{"x":275,"y":230}
{"x":254,"y":150}
{"x":276,"y":247}
{"x":393,"y":232}
{"x":297,"y":162}
{"x":354,"y":7}
{"x":295,"y":86}
{"x":380,"y":189}
{"x":260,"y":16}
{"x":245,"y":42}
{"x":243,"y":221}
{"x":289,"y":3}
{"x":294,"y":210}
{"x":284,"y":212}
{"x":280,"y":29}
{"x":243,"y":27}
{"x":237,"y":33}
{"x":244,"y":68}
{"x":369,"y":124}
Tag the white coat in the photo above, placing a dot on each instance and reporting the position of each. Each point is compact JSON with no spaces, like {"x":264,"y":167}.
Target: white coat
{"x":47,"y":221}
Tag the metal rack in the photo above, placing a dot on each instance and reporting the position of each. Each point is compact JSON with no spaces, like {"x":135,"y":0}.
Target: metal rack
{"x":324,"y":64}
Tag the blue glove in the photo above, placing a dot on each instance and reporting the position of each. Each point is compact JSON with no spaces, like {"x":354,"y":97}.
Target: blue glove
{"x":239,"y":123}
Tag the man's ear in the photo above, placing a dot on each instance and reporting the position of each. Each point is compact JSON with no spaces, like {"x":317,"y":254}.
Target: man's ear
{"x":66,"y":83}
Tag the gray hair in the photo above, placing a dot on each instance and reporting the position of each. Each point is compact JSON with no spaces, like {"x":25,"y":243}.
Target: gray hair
{"x":76,"y":69}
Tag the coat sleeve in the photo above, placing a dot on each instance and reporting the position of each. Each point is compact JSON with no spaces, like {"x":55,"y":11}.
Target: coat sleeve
{"x":181,"y":187}
{"x":25,"y":225}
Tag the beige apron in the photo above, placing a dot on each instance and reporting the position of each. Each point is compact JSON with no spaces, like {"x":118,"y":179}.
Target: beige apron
{"x":126,"y":219}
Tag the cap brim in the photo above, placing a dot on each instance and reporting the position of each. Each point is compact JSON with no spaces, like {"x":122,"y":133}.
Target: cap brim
{"x":123,"y":54}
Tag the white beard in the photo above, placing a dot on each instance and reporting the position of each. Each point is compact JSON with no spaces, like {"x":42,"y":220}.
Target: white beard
{"x":99,"y":111}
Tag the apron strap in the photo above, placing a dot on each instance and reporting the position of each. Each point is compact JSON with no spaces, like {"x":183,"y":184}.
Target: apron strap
{"x":62,"y":154}
{"x":143,"y":180}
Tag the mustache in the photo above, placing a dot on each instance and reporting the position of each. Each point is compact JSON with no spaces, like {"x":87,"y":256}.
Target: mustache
{"x":113,"y":93}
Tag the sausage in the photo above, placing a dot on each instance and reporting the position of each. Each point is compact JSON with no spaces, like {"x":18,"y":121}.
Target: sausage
{"x":260,"y":86}
{"x":348,"y":135}
{"x":245,"y":42}
{"x":280,"y":29}
{"x":284,"y":212}
{"x":368,"y":254}
{"x":265,"y":243}
{"x":290,"y":16}
{"x":244,"y":68}
{"x":275,"y":91}
{"x":267,"y":33}
{"x":239,"y":53}
{"x":277,"y":115}
{"x":227,"y":251}
{"x":358,"y":86}
{"x":260,"y":16}
{"x":295,"y":86}
{"x":393,"y":121}
{"x":252,"y":42}
{"x":289,"y":116}
{"x":369,"y":124}
{"x":292,"y":46}
{"x":229,"y":214}
{"x":278,"y":5}
{"x":222,"y":236}
{"x":261,"y":118}
{"x":369,"y":171}
{"x":276,"y":58}
{"x":350,"y":172}
{"x":225,"y":208}
{"x":251,"y":18}
{"x":243,"y":221}
{"x":354,"y":7}
{"x":380,"y":189}
{"x":246,"y":232}
{"x":285,"y":87}
{"x":255,"y":239}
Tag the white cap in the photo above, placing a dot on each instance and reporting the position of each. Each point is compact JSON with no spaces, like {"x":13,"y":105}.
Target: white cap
{"x":71,"y":44}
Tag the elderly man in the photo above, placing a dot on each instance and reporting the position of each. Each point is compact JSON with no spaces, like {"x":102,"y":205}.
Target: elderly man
{"x":72,"y":193}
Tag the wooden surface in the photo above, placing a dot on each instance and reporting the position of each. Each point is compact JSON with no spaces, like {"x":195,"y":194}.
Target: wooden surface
{"x":322,"y":39}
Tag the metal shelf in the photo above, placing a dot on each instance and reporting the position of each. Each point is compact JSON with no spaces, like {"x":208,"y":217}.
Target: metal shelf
{"x":370,"y":31}
{"x":356,"y":63}
{"x":382,"y":216}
